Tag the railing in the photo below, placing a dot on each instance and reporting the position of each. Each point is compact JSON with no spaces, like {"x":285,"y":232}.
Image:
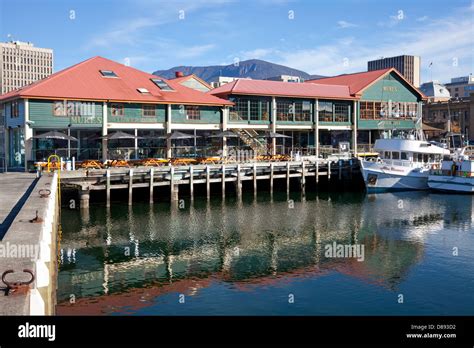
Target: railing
{"x":365,"y":148}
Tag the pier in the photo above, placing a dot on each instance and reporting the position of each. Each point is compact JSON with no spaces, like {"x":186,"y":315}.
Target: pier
{"x":190,"y":176}
{"x":28,"y":236}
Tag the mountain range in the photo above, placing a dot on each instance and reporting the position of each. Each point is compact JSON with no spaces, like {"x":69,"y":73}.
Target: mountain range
{"x":253,"y":68}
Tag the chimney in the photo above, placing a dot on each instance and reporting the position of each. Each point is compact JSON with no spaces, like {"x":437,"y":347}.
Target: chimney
{"x":178,"y":74}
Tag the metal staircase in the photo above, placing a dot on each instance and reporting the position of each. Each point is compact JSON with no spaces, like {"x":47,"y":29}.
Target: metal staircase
{"x":250,"y":138}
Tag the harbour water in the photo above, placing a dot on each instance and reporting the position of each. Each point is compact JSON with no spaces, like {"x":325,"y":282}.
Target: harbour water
{"x":269,"y":256}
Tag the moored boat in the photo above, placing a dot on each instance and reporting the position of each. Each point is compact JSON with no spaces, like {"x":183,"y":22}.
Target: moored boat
{"x":403,"y":163}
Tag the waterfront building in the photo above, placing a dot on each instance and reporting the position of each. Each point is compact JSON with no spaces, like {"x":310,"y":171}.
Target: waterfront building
{"x":408,"y":66}
{"x":461,"y":87}
{"x":192,"y":81}
{"x":21,"y":64}
{"x":98,"y":96}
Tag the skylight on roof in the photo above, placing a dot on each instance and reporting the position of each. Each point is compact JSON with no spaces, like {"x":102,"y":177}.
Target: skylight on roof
{"x":108,"y":73}
{"x":143,"y":90}
{"x":162,"y":85}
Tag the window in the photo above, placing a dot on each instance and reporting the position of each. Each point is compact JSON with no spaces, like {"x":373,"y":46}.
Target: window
{"x":285,"y":110}
{"x":325,"y":111}
{"x":117,"y":110}
{"x":386,"y":155}
{"x":149,"y":110}
{"x":193,"y":112}
{"x":395,"y":155}
{"x":404,"y":155}
{"x":254,"y":110}
{"x":15,"y":112}
{"x":302,"y":111}
{"x":341,"y":112}
{"x":162,"y":85}
{"x":108,"y":73}
{"x":143,"y":90}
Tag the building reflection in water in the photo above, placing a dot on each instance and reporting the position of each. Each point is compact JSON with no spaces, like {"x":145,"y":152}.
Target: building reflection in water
{"x":247,"y":243}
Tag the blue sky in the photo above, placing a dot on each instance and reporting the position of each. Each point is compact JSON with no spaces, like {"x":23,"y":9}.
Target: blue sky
{"x":319,"y":37}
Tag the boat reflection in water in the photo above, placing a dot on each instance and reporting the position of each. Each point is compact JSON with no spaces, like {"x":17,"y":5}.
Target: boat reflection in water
{"x":250,"y":257}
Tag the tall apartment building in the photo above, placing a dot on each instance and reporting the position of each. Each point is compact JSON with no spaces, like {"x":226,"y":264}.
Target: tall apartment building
{"x":21,"y":64}
{"x":409,"y":66}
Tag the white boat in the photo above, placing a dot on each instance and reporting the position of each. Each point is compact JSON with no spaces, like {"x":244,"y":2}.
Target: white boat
{"x":456,"y":175}
{"x":403,"y":163}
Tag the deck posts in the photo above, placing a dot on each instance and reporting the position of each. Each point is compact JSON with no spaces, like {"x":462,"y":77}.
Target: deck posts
{"x":107,"y":188}
{"x":271,"y":178}
{"x":223,"y":181}
{"x":255,"y":179}
{"x":152,"y":173}
{"x":239,"y":182}
{"x":208,"y":182}
{"x":317,"y":171}
{"x":84,"y":195}
{"x":287,"y":178}
{"x":130,"y":186}
{"x":174,"y":189}
{"x":329,"y":170}
{"x":191,"y":182}
{"x":303,"y":177}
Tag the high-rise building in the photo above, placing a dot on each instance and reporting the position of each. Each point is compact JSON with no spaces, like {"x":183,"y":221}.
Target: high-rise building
{"x":408,"y":66}
{"x":21,"y":64}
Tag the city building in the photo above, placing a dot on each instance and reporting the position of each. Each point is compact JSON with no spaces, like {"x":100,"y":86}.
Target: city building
{"x":461,"y":87}
{"x":408,"y":66}
{"x":22,"y":64}
{"x":286,"y":78}
{"x":222,"y":80}
{"x":97,"y":97}
{"x":435,"y":91}
{"x":454,"y":115}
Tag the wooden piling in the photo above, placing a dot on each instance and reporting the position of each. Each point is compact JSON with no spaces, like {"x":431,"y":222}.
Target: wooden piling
{"x":130,"y":187}
{"x":287,"y":178}
{"x":255,"y":179}
{"x":152,"y":173}
{"x":340,"y":169}
{"x":172,"y":184}
{"x":329,"y":170}
{"x":191,"y":182}
{"x":271,"y":178}
{"x":223,"y":181}
{"x":317,"y":171}
{"x":239,"y":182}
{"x":107,"y":188}
{"x":208,"y":182}
{"x":303,"y":177}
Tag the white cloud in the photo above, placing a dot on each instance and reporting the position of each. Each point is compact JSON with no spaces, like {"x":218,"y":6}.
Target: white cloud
{"x":422,"y":19}
{"x":344,"y":25}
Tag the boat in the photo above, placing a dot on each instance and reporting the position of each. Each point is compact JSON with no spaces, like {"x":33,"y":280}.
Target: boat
{"x":403,"y":163}
{"x":455,"y":175}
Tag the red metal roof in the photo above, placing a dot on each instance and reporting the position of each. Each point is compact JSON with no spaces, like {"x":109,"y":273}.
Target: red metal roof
{"x":84,"y":81}
{"x":187,"y":77}
{"x":283,"y":89}
{"x":357,"y":82}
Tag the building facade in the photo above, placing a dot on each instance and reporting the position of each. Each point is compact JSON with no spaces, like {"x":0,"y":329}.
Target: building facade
{"x":461,"y":87}
{"x":96,"y":97}
{"x":453,"y":115}
{"x":408,"y":66}
{"x":22,"y":64}
{"x":435,"y":91}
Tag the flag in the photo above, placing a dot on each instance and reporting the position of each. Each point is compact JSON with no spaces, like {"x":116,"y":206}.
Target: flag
{"x":429,"y":66}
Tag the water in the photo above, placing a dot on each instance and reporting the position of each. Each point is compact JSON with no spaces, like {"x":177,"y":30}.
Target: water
{"x":268,"y":257}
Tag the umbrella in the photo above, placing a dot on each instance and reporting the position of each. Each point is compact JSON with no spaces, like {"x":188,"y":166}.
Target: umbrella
{"x":55,"y":135}
{"x":120,"y":135}
{"x":274,"y":135}
{"x":179,"y":135}
{"x":224,"y":134}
